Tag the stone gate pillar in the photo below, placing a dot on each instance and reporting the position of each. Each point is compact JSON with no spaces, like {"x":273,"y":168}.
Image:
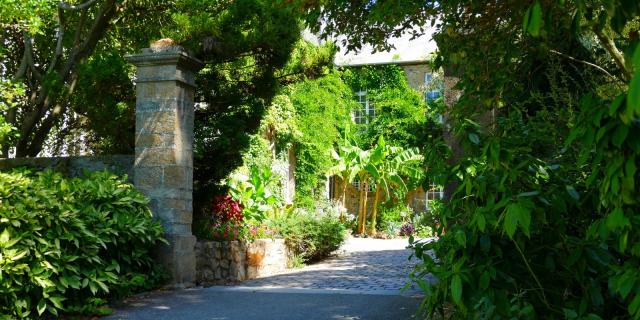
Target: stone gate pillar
{"x":163,"y":168}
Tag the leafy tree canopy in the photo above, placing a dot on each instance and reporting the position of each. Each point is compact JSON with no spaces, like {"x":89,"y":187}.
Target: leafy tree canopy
{"x":542,"y":217}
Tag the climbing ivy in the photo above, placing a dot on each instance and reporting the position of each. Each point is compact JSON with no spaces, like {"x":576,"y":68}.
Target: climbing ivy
{"x":322,"y":112}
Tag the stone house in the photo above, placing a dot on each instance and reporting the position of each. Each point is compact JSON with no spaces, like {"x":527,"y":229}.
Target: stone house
{"x":419,"y":76}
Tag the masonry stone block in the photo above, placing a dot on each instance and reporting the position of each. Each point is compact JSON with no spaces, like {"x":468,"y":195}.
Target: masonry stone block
{"x":163,"y":164}
{"x":177,"y":176}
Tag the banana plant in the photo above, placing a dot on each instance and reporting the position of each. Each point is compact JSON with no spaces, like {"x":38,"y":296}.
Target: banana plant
{"x":390,"y":167}
{"x":344,"y":167}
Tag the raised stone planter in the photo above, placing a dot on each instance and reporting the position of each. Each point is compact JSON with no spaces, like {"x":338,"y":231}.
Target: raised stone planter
{"x":234,"y":261}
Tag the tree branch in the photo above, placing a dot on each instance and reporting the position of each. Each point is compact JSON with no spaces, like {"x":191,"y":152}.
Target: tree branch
{"x":28,"y":53}
{"x":585,"y":62}
{"x":81,"y":22}
{"x":82,"y":6}
{"x":60,"y":34}
{"x":608,"y":44}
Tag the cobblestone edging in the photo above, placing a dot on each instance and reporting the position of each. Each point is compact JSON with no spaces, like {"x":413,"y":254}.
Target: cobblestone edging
{"x":236,"y":261}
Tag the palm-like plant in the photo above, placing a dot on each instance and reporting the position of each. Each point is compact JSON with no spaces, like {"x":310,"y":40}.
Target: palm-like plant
{"x":344,"y":167}
{"x":389,"y":167}
{"x":350,"y":163}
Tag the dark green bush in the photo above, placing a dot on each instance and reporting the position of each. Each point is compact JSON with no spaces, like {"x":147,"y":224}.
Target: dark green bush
{"x":66,"y":244}
{"x":309,"y":236}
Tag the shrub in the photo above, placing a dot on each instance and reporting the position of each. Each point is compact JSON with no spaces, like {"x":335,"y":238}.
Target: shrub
{"x":391,"y":218}
{"x":67,"y":243}
{"x":310,"y":236}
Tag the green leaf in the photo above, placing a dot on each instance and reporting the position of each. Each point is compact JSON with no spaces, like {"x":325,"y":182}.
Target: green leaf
{"x":573,"y":193}
{"x":485,"y":278}
{"x":41,"y":307}
{"x":634,"y":306}
{"x":511,"y":218}
{"x":525,"y":220}
{"x":633,"y":96}
{"x":529,"y":194}
{"x":456,"y":289}
{"x":616,"y":219}
{"x":569,"y":313}
{"x":474,"y":138}
{"x":57,"y":301}
{"x":619,"y":135}
{"x":4,"y":237}
{"x":461,"y":238}
{"x":481,"y":221}
{"x":615,"y":105}
{"x":534,"y":20}
{"x":525,"y":21}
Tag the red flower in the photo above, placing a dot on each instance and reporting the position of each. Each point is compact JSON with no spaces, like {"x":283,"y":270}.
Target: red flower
{"x":225,"y":209}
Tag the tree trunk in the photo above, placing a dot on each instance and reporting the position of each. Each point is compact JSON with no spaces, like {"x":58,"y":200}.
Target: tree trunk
{"x":365,"y":190}
{"x":374,"y":211}
{"x":344,"y":199}
{"x":37,"y":123}
{"x":360,"y":203}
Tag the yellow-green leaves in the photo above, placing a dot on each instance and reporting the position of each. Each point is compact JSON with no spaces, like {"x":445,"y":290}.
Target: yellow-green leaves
{"x":58,"y":235}
{"x":533,"y":19}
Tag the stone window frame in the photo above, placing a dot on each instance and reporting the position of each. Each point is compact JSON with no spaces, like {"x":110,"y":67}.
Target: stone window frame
{"x":435,"y":192}
{"x":430,"y":95}
{"x":366,"y":111}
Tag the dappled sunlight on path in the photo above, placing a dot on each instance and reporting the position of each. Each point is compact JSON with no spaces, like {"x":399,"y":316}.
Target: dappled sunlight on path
{"x":366,"y":265}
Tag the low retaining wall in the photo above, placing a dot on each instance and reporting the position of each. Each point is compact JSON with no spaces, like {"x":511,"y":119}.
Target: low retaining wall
{"x":74,"y":166}
{"x":233,"y":261}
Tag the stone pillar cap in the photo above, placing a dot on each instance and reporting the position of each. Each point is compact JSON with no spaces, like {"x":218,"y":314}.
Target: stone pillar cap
{"x":164,"y":55}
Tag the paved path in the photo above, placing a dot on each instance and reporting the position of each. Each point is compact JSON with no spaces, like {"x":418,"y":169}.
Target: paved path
{"x":362,"y":282}
{"x":363,"y":265}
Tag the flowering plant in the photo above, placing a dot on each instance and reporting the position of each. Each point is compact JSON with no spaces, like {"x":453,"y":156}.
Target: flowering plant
{"x":227,"y":219}
{"x":225,"y":209}
{"x":407,"y":229}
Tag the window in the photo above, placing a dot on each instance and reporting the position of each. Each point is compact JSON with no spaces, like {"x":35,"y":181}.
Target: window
{"x":371,"y":186}
{"x":366,"y":111}
{"x":435,"y":192}
{"x":431,"y":92}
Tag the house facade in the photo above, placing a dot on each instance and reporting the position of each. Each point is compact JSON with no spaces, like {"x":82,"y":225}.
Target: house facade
{"x":420,"y":77}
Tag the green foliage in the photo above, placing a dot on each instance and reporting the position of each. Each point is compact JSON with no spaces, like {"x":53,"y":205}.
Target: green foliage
{"x":257,"y":193}
{"x":400,"y":110}
{"x":45,"y":44}
{"x":391,"y":217}
{"x":239,"y":94}
{"x":542,"y":219}
{"x":65,"y":242}
{"x":308,"y":235}
{"x":322,"y":112}
{"x":9,"y":92}
{"x":105,"y":98}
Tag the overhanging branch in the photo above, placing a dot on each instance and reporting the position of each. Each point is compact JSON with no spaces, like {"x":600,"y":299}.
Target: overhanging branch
{"x":81,"y":6}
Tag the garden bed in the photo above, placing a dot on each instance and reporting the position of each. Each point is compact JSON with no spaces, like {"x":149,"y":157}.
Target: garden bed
{"x":234,"y":261}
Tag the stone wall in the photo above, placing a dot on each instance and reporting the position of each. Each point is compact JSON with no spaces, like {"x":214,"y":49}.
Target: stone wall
{"x":416,"y":199}
{"x":74,"y":166}
{"x":234,"y":261}
{"x":415,"y":75}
